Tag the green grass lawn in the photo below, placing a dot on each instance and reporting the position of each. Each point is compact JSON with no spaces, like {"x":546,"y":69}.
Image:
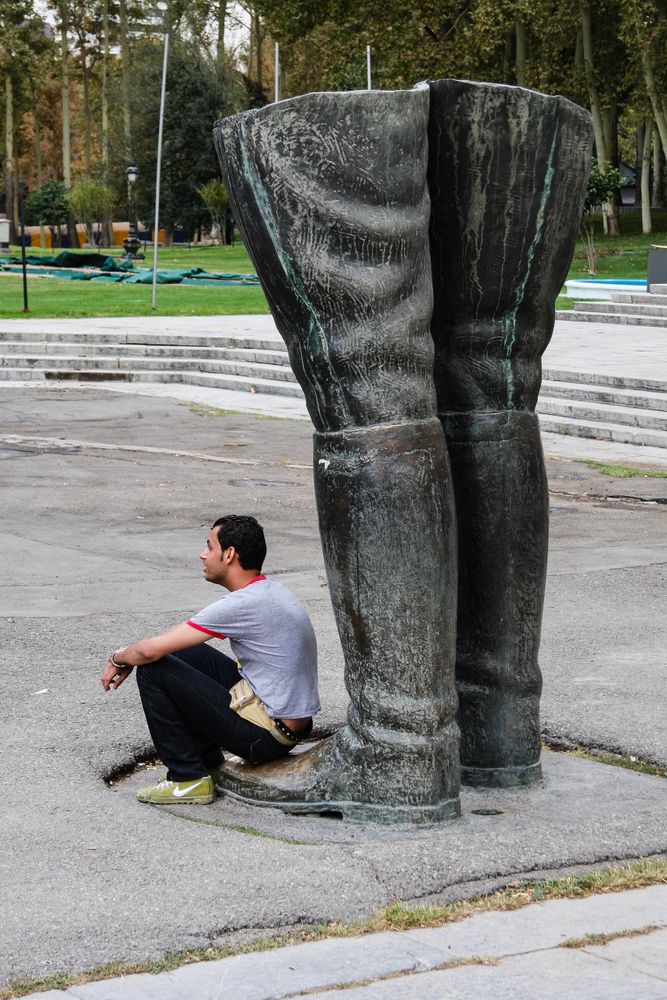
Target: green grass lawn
{"x":55,"y":298}
{"x":620,"y":257}
{"x":79,"y":299}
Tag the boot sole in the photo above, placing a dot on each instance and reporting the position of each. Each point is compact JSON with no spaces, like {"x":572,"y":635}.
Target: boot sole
{"x":199,"y":800}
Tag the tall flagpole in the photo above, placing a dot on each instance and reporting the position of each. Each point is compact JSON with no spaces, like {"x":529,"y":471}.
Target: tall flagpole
{"x":276,"y":71}
{"x":159,"y":167}
{"x":368,"y":66}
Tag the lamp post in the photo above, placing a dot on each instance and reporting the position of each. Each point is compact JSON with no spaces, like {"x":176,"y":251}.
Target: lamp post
{"x":131,"y":243}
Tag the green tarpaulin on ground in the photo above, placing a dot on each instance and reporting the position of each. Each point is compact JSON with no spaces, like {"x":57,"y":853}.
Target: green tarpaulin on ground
{"x":69,"y":266}
{"x":75,"y":260}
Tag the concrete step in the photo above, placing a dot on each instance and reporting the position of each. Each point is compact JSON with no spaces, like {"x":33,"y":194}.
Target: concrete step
{"x":211,"y":380}
{"x":622,"y":308}
{"x":629,"y":319}
{"x":243,"y":383}
{"x":163,"y":338}
{"x":645,"y":298}
{"x":41,"y":348}
{"x":628,"y":416}
{"x":646,"y":400}
{"x":623,"y":410}
{"x":602,"y":379}
{"x":659,"y":289}
{"x":58,"y":362}
{"x":603,"y":431}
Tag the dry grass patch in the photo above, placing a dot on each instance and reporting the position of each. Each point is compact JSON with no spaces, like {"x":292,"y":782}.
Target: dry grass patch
{"x":395,"y":917}
{"x":602,"y":939}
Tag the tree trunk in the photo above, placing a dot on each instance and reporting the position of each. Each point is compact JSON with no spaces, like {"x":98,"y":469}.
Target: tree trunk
{"x":593,"y":95}
{"x":168,"y":238}
{"x":87,"y":118}
{"x":520,"y":31}
{"x":105,"y":91}
{"x":602,"y":150}
{"x":9,"y":156}
{"x":640,"y":134}
{"x":508,"y":58}
{"x":579,"y":49}
{"x":220,"y":49}
{"x":64,"y":61}
{"x":106,"y":235}
{"x":38,"y":161}
{"x":610,"y":127}
{"x":658,"y":194}
{"x":17,"y":175}
{"x":257,"y":28}
{"x":67,"y":150}
{"x":651,"y":86}
{"x":125,"y":80}
{"x":646,"y":177}
{"x":228,"y":228}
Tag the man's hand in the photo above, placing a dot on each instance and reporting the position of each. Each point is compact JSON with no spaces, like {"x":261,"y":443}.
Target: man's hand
{"x":148,"y":651}
{"x":113,"y":676}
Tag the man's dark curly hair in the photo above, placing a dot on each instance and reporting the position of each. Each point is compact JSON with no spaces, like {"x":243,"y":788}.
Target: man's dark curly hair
{"x":246,"y":534}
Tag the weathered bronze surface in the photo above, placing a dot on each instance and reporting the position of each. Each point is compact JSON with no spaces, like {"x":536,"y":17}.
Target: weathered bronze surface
{"x":330,"y":193}
{"x":507,"y":174}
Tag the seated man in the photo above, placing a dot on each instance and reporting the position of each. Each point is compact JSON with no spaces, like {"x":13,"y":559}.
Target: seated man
{"x":197,"y":700}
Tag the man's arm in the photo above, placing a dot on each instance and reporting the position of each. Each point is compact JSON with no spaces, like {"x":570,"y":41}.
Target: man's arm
{"x":149,"y":650}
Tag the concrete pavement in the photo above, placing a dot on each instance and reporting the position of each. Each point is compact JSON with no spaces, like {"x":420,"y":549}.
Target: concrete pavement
{"x":107,"y":496}
{"x":599,"y":948}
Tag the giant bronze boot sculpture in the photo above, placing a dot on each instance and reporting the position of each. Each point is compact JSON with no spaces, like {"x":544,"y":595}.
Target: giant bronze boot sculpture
{"x":507,"y":174}
{"x":330,"y":193}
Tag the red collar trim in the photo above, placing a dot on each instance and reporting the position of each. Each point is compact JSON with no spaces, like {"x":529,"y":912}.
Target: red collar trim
{"x":255,"y":579}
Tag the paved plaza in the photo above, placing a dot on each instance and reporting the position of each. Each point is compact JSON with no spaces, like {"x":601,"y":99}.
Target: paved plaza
{"x":108,"y":494}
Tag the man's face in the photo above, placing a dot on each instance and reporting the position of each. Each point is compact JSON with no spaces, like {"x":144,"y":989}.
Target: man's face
{"x":216,"y":562}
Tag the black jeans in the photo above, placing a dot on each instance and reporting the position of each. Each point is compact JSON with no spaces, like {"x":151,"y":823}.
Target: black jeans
{"x":185,"y":697}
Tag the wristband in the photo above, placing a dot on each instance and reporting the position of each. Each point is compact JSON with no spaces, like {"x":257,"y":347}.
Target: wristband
{"x":121,"y":666}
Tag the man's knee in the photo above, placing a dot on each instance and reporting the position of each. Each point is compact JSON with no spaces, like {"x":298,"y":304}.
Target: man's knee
{"x":148,"y":675}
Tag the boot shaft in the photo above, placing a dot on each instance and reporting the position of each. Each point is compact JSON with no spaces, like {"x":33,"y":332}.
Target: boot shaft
{"x":330,"y":193}
{"x":507,"y":176}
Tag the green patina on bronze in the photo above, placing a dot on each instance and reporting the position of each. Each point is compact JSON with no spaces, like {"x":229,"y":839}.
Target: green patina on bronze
{"x":411,"y":245}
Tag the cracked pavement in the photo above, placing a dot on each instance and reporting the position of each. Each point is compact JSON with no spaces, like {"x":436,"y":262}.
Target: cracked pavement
{"x":100,"y":547}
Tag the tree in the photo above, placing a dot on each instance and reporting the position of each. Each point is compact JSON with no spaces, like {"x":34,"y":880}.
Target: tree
{"x":215,"y":197}
{"x":611,"y":81}
{"x":13,"y":18}
{"x":650,"y":27}
{"x":47,"y":206}
{"x":194,"y":100}
{"x":91,"y":203}
{"x":603,"y":182}
{"x":645,"y":182}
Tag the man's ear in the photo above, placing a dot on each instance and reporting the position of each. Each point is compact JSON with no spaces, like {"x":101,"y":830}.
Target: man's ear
{"x":231,"y":551}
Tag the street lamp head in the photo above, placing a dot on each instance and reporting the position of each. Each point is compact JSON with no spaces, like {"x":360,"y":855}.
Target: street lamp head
{"x":132,"y":172}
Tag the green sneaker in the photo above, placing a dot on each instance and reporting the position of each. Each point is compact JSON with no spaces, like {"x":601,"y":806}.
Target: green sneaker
{"x":200,"y":791}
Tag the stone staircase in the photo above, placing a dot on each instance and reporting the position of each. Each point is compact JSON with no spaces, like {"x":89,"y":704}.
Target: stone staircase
{"x":625,"y":411}
{"x":632,"y":411}
{"x":634,"y":308}
{"x":254,"y":364}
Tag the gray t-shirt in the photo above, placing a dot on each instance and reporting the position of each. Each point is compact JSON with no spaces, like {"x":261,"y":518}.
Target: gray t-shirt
{"x":274,"y":642}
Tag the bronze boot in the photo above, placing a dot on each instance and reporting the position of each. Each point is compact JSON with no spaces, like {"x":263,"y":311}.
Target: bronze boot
{"x":507,"y":174}
{"x":330,"y":193}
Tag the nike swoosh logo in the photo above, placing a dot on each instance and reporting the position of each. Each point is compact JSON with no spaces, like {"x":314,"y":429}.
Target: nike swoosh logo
{"x":180,"y":792}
